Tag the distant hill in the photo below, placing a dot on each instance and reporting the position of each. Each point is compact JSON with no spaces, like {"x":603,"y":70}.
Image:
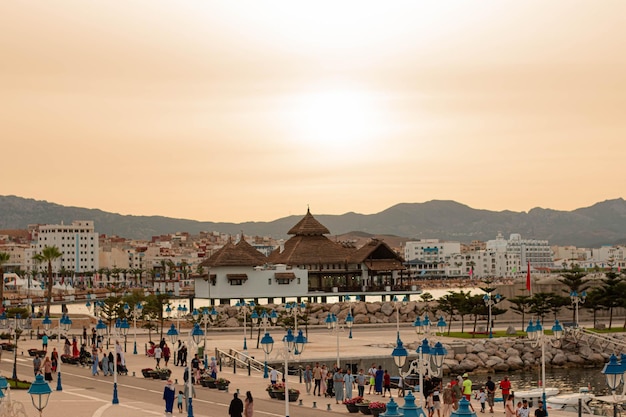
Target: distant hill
{"x":601,"y":224}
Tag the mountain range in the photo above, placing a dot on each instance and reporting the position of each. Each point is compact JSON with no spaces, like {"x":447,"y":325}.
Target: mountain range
{"x":603,"y":223}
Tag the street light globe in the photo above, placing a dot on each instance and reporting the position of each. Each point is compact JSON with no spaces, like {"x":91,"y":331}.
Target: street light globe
{"x":40,"y":393}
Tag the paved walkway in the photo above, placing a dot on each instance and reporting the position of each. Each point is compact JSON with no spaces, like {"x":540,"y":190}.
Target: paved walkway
{"x":86,"y":402}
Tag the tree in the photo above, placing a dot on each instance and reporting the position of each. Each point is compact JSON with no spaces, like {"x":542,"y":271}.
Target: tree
{"x":557,"y":302}
{"x":593,"y":303}
{"x":541,"y":304}
{"x":48,"y":255}
{"x":4,"y":258}
{"x":153,"y":309}
{"x":611,"y":297}
{"x":575,"y":281}
{"x":521,"y":305}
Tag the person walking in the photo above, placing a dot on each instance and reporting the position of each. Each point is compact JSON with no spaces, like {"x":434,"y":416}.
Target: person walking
{"x":180,"y":401}
{"x":348,"y":383}
{"x":169,"y":393}
{"x":448,"y":400}
{"x":338,"y":385}
{"x":236,"y":407}
{"x":111,"y":364}
{"x":157,"y":355}
{"x":491,"y":392}
{"x":37,"y":364}
{"x":540,"y":411}
{"x":509,"y":406}
{"x":273,"y":376}
{"x":94,"y":357}
{"x":55,"y":359}
{"x":248,"y":405}
{"x":105,"y":365}
{"x":44,"y":342}
{"x":46,"y":368}
{"x":457,"y":390}
{"x":324,"y":380}
{"x":378,"y":384}
{"x":308,"y":379}
{"x":467,"y":390}
{"x":372,"y":374}
{"x":386,"y":383}
{"x":505,"y":386}
{"x":317,"y":377}
{"x":166,"y":354}
{"x":361,"y":378}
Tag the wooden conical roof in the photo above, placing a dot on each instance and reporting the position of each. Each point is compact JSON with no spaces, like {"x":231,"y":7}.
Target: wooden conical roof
{"x":308,"y":226}
{"x":241,"y":254}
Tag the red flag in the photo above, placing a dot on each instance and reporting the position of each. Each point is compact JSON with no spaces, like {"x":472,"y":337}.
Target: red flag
{"x":528,"y":277}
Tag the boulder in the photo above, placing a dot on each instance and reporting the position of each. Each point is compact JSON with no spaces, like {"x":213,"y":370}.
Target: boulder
{"x":511,"y":330}
{"x":515,"y":362}
{"x":372,"y":308}
{"x":468,"y":365}
{"x":559,"y":359}
{"x":361,"y":319}
{"x":359,"y":308}
{"x":232,"y":322}
{"x":387,"y":309}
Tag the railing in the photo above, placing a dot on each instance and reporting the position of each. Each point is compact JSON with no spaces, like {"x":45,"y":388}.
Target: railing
{"x":239,"y":359}
{"x":593,"y":338}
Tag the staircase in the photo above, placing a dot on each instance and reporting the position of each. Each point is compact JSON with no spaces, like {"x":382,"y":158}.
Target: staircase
{"x":598,"y":342}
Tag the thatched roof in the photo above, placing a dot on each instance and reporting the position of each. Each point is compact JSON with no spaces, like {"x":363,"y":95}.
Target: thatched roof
{"x":241,"y":254}
{"x":310,"y":250}
{"x":308,"y":226}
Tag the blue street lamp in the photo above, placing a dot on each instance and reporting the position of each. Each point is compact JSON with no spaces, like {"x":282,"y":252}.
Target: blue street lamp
{"x":266,"y":319}
{"x":399,"y":355}
{"x":614,"y":374}
{"x":268,"y":345}
{"x":65,"y":323}
{"x":244,"y":308}
{"x":205,"y":318}
{"x":537,"y":337}
{"x":135,"y":313}
{"x":576,"y":300}
{"x":40,"y":393}
{"x":491,"y":300}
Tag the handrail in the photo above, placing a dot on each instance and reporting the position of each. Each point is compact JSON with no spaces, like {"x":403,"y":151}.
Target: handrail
{"x":247,"y":361}
{"x":597,"y":337}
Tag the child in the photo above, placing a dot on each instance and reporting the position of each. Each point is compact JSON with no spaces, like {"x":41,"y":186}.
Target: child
{"x":430,"y":405}
{"x":519,"y":407}
{"x":482,"y":397}
{"x":180,"y":401}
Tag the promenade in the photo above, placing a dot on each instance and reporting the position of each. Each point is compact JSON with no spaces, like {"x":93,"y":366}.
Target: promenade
{"x":87,"y":395}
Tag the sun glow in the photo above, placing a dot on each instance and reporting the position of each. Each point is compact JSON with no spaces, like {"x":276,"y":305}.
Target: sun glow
{"x":335,"y":119}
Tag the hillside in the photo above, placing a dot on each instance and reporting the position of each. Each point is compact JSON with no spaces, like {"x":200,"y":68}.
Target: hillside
{"x":603,"y":223}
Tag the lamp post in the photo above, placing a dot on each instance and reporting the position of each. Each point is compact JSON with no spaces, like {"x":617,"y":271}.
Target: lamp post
{"x":266,"y":319}
{"x":614,"y":374}
{"x":429,"y":358}
{"x":121,"y":329}
{"x":40,"y":393}
{"x":538,"y":337}
{"x":195,"y":335}
{"x":293,"y":345}
{"x":295,"y":309}
{"x":181,"y":311}
{"x":65,"y":324}
{"x":16,"y":327}
{"x":399,"y":355}
{"x":244,"y":308}
{"x":347,"y":298}
{"x":577,"y":299}
{"x":332,"y":324}
{"x":205,"y":318}
{"x":490,"y":301}
{"x":397,"y":304}
{"x":135,"y":313}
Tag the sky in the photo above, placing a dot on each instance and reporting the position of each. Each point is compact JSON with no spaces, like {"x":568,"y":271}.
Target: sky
{"x":234,"y":111}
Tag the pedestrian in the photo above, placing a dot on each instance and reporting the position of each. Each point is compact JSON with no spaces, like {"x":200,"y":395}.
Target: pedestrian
{"x":186,"y":393}
{"x":481,"y":396}
{"x":457,"y":390}
{"x":372,"y":375}
{"x":491,"y":392}
{"x":183,"y":355}
{"x":177,"y":360}
{"x":273,"y":376}
{"x":437,"y":398}
{"x":236,"y":407}
{"x":105,"y":365}
{"x":44,"y":342}
{"x":448,"y":400}
{"x":180,"y":401}
{"x":169,"y":393}
{"x":386,"y":383}
{"x":509,"y":407}
{"x":540,"y":411}
{"x":67,"y":347}
{"x":213,"y":367}
{"x":111,"y":364}
{"x":55,"y":359}
{"x":166,"y":354}
{"x":94,"y":336}
{"x":467,"y":390}
{"x":378,"y":384}
{"x":119,"y":353}
{"x":157,"y":355}
{"x":348,"y":383}
{"x":505,"y":386}
{"x":248,"y":405}
{"x":324,"y":381}
{"x":361,"y":379}
{"x":524,"y":411}
{"x":430,"y":406}
{"x":94,"y":357}
{"x":308,"y":379}
{"x":46,"y":368}
{"x":338,"y":385}
{"x":317,"y":377}
{"x":37,"y":365}
{"x":84,"y":333}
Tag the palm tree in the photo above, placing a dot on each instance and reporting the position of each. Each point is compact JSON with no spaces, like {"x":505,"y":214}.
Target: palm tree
{"x":48,"y":254}
{"x":4,"y":258}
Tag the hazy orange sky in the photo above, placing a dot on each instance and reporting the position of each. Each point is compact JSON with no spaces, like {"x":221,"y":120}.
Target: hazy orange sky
{"x":254,"y":110}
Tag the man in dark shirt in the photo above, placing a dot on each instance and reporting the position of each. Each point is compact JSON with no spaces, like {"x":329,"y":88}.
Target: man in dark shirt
{"x":236,"y":407}
{"x":491,"y":392}
{"x":540,"y":411}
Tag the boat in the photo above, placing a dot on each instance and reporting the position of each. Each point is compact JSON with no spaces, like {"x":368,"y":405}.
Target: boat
{"x":570,"y":402}
{"x":532,"y":395}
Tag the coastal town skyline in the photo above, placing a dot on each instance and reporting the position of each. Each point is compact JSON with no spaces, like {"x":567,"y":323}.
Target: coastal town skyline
{"x":256,"y":111}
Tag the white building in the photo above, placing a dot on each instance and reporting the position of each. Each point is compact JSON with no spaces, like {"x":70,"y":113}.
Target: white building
{"x":78,"y":244}
{"x":537,"y":252}
{"x":430,"y":250}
